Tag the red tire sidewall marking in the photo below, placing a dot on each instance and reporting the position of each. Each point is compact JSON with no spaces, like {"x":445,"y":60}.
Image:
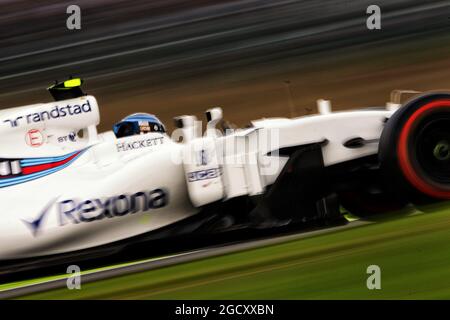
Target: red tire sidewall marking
{"x":34,"y":134}
{"x":403,"y":152}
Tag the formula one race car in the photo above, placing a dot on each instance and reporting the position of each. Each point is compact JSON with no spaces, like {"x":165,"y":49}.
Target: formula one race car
{"x":64,"y":187}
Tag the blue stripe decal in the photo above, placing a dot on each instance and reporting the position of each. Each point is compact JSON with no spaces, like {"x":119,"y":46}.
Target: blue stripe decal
{"x":36,"y":175}
{"x":36,"y":161}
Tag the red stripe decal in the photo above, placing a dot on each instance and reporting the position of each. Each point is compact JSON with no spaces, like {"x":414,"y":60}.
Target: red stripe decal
{"x":42,"y":167}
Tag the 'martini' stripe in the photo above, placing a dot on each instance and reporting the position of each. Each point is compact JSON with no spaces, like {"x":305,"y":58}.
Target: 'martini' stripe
{"x":38,"y":168}
{"x":36,"y":161}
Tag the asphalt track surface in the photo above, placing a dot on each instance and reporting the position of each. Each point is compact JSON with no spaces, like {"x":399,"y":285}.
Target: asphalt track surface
{"x":155,"y":263}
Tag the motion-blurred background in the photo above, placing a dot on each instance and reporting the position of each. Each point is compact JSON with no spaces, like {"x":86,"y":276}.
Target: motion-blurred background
{"x":172,"y":57}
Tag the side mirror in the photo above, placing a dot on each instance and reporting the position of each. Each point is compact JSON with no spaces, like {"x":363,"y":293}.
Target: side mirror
{"x":189,"y":127}
{"x":213,"y":116}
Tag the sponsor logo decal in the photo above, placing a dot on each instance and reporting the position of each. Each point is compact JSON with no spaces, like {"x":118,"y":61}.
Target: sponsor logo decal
{"x":72,"y":137}
{"x":36,"y":223}
{"x":202,"y":158}
{"x":203,"y":174}
{"x":139,"y":144}
{"x":34,"y":138}
{"x":86,"y":211}
{"x":54,"y":113}
{"x":144,"y":126}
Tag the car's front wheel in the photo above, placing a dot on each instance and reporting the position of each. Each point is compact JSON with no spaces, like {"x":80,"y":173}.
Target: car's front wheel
{"x":414,"y":148}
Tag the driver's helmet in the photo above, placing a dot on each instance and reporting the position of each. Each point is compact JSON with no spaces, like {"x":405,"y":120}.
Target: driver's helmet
{"x":138,"y":123}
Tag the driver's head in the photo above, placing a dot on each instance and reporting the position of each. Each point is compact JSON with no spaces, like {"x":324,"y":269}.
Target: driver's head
{"x":138,"y":123}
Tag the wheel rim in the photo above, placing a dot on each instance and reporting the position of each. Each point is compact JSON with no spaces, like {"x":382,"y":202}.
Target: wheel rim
{"x":442,"y":150}
{"x":432,"y":150}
